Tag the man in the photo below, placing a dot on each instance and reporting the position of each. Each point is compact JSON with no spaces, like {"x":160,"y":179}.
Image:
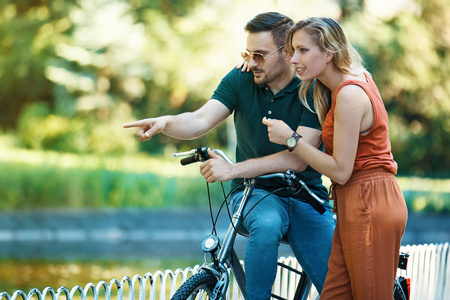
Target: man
{"x":271,"y":91}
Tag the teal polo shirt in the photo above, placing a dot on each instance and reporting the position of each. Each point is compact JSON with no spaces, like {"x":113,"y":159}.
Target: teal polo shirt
{"x":250,"y":103}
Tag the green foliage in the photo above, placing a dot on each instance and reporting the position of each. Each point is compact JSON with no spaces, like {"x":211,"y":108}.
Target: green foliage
{"x":35,"y":187}
{"x":97,"y":64}
{"x":408,"y":59}
{"x":427,"y":202}
{"x":93,"y":60}
{"x":29,"y":187}
{"x":36,"y":179}
{"x":170,"y":8}
{"x":425,"y":194}
{"x":28,"y":30}
{"x":38,"y":128}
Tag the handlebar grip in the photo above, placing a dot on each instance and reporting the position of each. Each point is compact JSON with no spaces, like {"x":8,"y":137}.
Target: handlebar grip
{"x":315,"y":204}
{"x":312,"y":198}
{"x":190,"y":159}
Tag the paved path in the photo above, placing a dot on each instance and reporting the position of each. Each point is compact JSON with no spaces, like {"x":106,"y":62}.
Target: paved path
{"x":132,"y":233}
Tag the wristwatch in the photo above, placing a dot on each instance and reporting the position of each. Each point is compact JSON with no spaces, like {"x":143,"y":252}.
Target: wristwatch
{"x":292,"y":141}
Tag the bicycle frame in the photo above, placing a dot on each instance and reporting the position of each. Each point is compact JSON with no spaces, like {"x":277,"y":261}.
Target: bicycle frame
{"x":226,"y":256}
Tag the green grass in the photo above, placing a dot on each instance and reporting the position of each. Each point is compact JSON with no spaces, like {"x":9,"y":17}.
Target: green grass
{"x":45,"y":179}
{"x":40,"y":179}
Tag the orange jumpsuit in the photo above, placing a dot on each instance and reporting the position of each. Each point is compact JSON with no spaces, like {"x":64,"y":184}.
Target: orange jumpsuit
{"x":371,"y":212}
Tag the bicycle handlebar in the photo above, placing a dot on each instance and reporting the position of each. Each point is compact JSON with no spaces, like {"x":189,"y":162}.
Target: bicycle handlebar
{"x":200,"y":154}
{"x":189,"y":160}
{"x":295,"y":184}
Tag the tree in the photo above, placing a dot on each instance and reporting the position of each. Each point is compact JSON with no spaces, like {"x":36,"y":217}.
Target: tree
{"x":88,"y":66}
{"x":92,"y":61}
{"x":28,"y":32}
{"x":408,"y":58}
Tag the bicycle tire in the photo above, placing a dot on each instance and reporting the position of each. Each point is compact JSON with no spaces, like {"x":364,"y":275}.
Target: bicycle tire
{"x":199,"y":286}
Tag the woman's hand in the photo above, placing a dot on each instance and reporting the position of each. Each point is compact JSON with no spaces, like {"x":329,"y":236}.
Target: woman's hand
{"x":243,"y":65}
{"x":278,"y":131}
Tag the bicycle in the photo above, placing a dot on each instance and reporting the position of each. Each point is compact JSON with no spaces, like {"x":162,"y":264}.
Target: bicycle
{"x":402,"y":284}
{"x":213,"y":278}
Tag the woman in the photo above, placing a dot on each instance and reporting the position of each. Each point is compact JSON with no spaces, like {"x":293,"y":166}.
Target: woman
{"x":371,"y":211}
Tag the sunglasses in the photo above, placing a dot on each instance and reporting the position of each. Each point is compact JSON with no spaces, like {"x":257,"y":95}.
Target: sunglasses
{"x":258,"y":57}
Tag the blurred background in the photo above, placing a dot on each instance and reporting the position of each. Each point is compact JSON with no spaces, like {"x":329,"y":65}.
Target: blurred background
{"x":72,"y":72}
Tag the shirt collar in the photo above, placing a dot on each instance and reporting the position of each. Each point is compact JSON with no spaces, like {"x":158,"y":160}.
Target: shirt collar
{"x":291,"y":87}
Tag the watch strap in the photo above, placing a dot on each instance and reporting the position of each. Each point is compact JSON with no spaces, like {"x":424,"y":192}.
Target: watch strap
{"x":296,"y":136}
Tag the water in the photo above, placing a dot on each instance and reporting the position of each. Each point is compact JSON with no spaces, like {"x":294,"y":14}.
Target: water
{"x":68,"y":248}
{"x":27,"y":274}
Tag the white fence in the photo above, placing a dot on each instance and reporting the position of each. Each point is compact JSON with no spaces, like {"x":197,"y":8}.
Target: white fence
{"x":427,"y":268}
{"x":429,"y":271}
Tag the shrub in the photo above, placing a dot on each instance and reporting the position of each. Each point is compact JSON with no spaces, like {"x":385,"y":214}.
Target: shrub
{"x":24,"y":186}
{"x":39,"y":129}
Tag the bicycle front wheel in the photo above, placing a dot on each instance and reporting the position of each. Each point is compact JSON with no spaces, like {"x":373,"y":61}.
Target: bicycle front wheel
{"x":199,"y":286}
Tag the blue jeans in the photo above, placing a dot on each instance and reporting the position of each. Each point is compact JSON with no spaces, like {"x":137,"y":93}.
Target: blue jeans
{"x":308,"y":232}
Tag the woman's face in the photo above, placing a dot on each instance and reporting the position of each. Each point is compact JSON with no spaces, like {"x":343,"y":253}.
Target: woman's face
{"x":308,"y":59}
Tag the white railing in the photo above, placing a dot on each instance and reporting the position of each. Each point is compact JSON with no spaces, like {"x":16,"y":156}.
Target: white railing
{"x":428,"y":269}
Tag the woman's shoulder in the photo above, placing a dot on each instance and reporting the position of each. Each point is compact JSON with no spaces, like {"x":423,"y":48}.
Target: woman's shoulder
{"x":353,"y":95}
{"x":353,"y":83}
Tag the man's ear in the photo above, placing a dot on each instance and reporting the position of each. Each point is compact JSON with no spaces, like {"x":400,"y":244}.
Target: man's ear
{"x":286,"y":55}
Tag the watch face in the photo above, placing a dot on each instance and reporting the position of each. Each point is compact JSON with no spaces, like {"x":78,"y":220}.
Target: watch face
{"x":291,"y":142}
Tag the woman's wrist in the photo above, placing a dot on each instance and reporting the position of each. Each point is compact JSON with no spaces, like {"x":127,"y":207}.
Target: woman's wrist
{"x":292,"y":141}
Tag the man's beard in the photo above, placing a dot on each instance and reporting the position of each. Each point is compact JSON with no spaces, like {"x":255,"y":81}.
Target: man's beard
{"x":275,"y":73}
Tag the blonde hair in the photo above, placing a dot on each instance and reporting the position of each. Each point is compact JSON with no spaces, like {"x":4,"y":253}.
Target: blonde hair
{"x":328,"y":35}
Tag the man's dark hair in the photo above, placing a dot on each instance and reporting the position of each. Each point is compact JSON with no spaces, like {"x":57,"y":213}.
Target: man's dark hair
{"x":277,"y":23}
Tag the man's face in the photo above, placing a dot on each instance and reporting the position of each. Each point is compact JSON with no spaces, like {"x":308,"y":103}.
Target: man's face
{"x":273,"y":65}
